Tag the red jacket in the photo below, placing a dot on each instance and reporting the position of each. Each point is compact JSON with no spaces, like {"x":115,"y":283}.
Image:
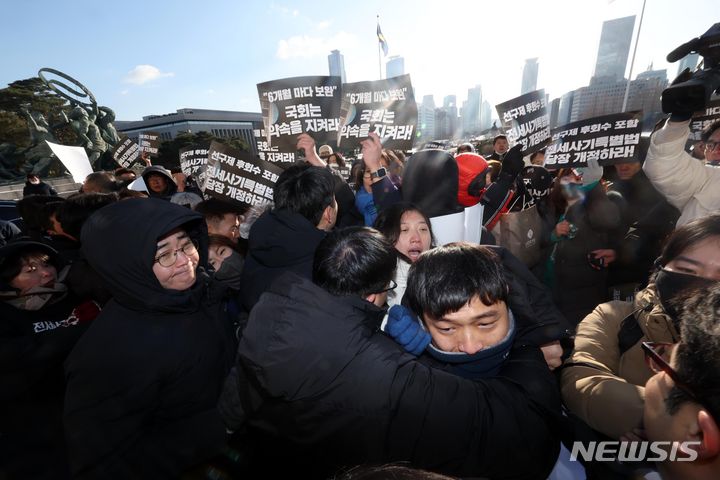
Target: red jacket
{"x":470,"y":165}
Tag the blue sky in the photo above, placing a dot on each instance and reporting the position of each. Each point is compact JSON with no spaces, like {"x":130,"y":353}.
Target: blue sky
{"x":153,"y":57}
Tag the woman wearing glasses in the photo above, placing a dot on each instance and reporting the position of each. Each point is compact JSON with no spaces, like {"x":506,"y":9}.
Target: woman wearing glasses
{"x":603,"y":380}
{"x":143,"y":384}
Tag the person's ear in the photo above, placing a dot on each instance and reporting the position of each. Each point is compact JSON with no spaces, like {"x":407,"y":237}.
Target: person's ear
{"x":709,"y":435}
{"x":371,"y":298}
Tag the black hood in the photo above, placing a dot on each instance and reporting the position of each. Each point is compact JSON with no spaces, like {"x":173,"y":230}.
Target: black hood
{"x":430,"y":181}
{"x":119,"y":242}
{"x":159,"y":170}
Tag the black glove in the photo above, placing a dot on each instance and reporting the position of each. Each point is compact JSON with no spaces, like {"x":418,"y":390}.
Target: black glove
{"x":513,"y":164}
{"x":681,"y":116}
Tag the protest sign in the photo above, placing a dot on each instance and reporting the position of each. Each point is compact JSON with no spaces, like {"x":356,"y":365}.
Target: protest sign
{"x":526,"y":121}
{"x":609,"y":139}
{"x":239,"y":177}
{"x":465,"y":226}
{"x":75,"y":160}
{"x":292,"y":106}
{"x":126,"y":152}
{"x":193,"y":162}
{"x":272,"y":153}
{"x":386,"y":107}
{"x":701,"y":120}
{"x":437,"y":145}
{"x":149,"y":142}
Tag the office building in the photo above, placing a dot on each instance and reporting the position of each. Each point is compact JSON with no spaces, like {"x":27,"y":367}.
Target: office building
{"x":395,"y":66}
{"x":221,"y":123}
{"x":614,"y":47}
{"x":336,"y":64}
{"x":530,"y":76}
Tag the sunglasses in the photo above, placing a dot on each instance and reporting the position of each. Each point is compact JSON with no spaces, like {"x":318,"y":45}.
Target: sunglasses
{"x":657,"y":358}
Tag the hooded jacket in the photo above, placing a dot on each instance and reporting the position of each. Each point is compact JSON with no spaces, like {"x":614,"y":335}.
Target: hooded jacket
{"x":171,"y":188}
{"x":320,"y":387}
{"x":602,"y":384}
{"x":280,"y":241}
{"x":142,"y":385}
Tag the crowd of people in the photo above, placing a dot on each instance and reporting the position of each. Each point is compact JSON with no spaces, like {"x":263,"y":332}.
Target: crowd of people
{"x":163,"y":334}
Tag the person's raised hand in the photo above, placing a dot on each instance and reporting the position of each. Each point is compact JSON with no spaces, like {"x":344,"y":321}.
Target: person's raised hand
{"x":307,"y":144}
{"x":512,"y":163}
{"x":371,"y":151}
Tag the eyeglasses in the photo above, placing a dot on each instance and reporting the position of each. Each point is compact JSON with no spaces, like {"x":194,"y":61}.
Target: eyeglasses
{"x":657,"y":357}
{"x":710,"y":146}
{"x":393,"y":286}
{"x":168,"y":259}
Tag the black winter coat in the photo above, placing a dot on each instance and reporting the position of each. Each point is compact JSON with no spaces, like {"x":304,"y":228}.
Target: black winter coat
{"x":320,"y":387}
{"x":279,"y":241}
{"x":578,"y":287}
{"x":41,"y":188}
{"x":649,"y":219}
{"x":143,"y":382}
{"x":33,"y":346}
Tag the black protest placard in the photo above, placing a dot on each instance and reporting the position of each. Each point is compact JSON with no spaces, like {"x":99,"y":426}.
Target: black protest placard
{"x":193,"y":162}
{"x":386,"y":107}
{"x":126,"y":152}
{"x":701,"y":120}
{"x":271,"y":153}
{"x":237,"y":176}
{"x":292,"y":106}
{"x":609,"y":139}
{"x":149,"y":142}
{"x":526,"y":121}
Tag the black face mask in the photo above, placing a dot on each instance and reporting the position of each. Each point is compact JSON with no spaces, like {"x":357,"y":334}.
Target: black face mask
{"x":671,"y":285}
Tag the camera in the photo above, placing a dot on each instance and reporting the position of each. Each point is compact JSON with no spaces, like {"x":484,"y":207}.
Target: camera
{"x":693,"y":93}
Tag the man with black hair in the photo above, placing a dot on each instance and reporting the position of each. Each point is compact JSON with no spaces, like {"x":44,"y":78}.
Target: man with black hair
{"x":285,"y":238}
{"x":457,"y":310}
{"x":500,"y":148}
{"x":317,"y":386}
{"x":682,"y":400}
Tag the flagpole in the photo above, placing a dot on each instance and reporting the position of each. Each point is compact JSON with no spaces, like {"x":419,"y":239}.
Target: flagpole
{"x":632,"y":61}
{"x":379,"y":58}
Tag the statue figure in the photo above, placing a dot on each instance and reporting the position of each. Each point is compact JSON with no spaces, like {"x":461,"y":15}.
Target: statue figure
{"x":105,"y":118}
{"x":83,"y":122}
{"x":92,"y":124}
{"x":38,"y":155}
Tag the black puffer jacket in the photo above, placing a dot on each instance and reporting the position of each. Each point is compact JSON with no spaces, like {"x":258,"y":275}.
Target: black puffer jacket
{"x":33,"y":346}
{"x":578,"y":287}
{"x":143,"y":382}
{"x":539,"y":320}
{"x":320,"y":387}
{"x":279,"y":241}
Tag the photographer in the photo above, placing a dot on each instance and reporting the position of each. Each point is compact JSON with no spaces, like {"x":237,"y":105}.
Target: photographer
{"x":686,"y":183}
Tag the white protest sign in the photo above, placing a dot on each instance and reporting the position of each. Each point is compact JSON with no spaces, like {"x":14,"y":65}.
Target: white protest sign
{"x":465,"y":226}
{"x":75,"y":160}
{"x":138,"y":185}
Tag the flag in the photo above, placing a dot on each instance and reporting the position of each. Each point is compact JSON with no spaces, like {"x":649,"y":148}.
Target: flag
{"x":381,"y":39}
